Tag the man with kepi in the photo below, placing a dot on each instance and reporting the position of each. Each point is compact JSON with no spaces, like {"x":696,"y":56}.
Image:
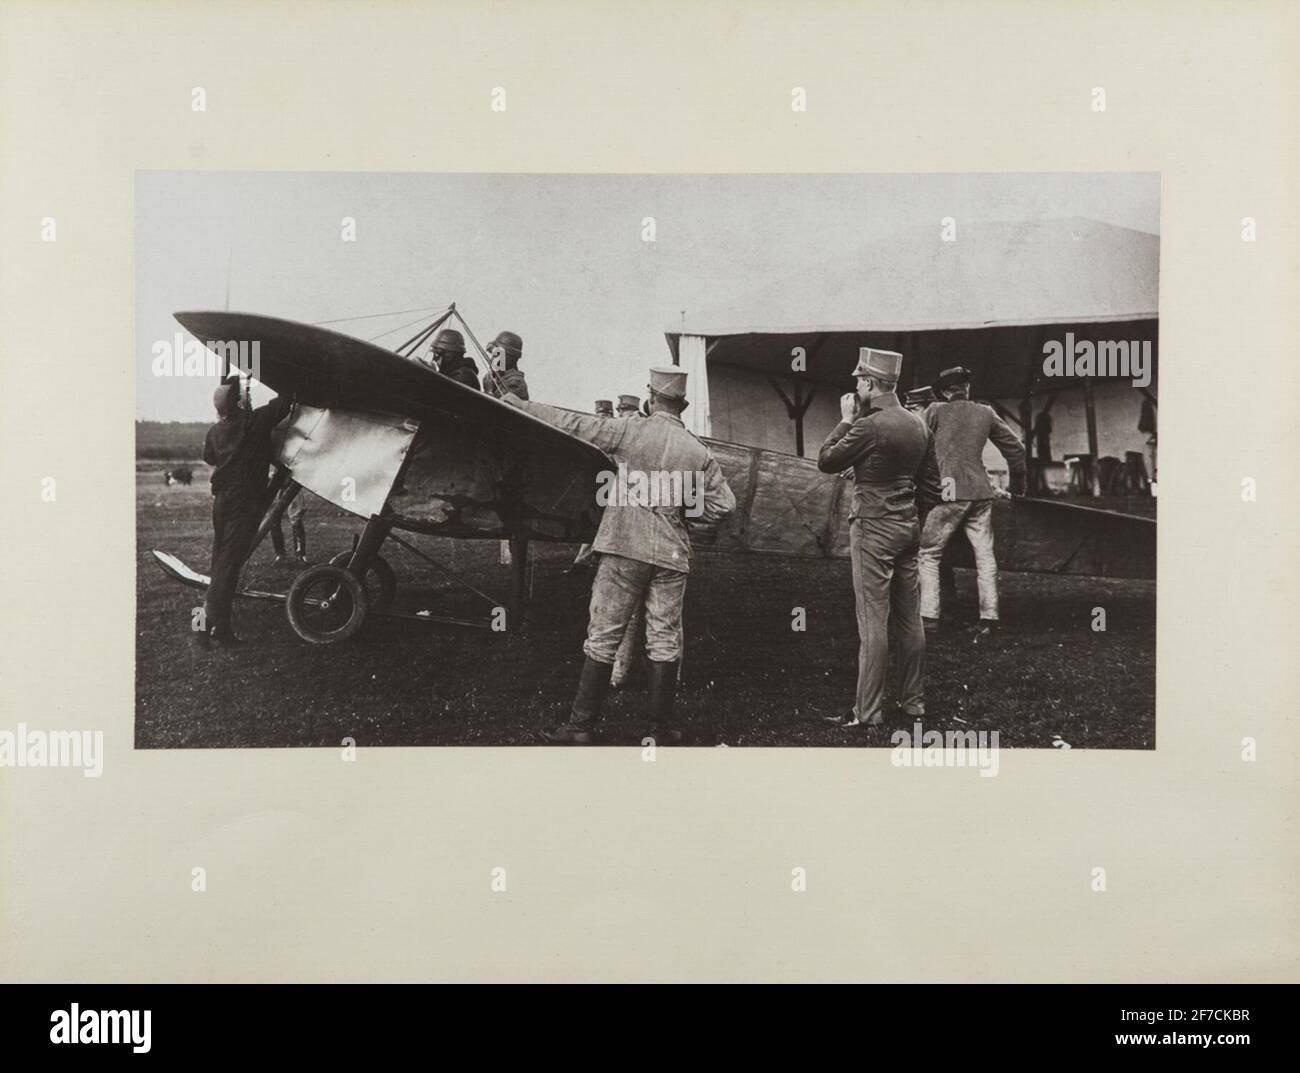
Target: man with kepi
{"x":892,"y":455}
{"x":644,"y":549}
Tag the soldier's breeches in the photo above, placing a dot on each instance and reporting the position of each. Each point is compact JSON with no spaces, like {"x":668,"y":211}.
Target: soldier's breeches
{"x":976,"y":517}
{"x":886,"y":590}
{"x":622,"y":586}
{"x":631,"y":649}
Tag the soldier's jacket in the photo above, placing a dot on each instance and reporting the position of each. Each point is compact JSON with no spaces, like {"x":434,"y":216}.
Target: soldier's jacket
{"x":514,"y":382}
{"x":892,"y":455}
{"x":655,"y":535}
{"x":961,"y":428}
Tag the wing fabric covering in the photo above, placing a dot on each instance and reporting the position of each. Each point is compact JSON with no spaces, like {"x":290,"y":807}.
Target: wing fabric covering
{"x":349,"y":459}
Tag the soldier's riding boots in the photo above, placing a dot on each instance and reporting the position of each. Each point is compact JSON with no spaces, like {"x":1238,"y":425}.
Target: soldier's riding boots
{"x":593,"y":684}
{"x":663,"y":692}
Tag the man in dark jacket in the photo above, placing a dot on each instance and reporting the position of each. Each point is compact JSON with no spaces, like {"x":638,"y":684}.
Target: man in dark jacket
{"x":449,"y":358}
{"x":961,"y":428}
{"x":504,"y":352}
{"x":892,"y":455}
{"x":238,"y":447}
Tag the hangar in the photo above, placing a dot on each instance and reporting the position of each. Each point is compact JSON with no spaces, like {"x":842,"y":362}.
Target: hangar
{"x":768,"y":370}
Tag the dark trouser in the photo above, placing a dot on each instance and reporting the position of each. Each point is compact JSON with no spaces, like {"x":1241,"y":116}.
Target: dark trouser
{"x":234,"y":526}
{"x":888,"y":595}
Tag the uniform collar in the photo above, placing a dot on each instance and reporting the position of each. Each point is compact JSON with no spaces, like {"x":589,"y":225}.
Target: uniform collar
{"x":884,"y":402}
{"x":669,"y":417}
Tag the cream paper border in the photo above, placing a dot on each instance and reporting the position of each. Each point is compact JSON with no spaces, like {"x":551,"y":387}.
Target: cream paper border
{"x":680,"y":869}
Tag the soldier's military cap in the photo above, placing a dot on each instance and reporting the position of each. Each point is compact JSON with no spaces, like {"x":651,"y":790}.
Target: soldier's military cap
{"x":669,"y":384}
{"x":886,"y":364}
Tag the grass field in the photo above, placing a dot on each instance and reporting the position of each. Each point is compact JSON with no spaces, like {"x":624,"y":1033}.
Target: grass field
{"x":749,"y":678}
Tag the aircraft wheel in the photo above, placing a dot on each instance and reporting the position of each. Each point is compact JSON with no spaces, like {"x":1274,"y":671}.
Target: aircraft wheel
{"x":380,"y":583}
{"x":326,"y":604}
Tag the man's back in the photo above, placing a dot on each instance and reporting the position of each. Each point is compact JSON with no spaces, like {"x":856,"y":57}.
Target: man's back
{"x":890,"y":452}
{"x":239,"y":449}
{"x":657,"y":445}
{"x":660,"y":442}
{"x":961,"y":429}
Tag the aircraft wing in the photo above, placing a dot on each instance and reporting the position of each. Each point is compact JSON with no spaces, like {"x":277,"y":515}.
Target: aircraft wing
{"x":479,"y":468}
{"x":330,"y":370}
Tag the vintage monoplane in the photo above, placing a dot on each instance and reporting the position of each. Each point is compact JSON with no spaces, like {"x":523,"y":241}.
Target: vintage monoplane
{"x":368,"y":420}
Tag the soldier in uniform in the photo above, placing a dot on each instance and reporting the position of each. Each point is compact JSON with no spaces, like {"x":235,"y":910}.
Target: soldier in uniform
{"x":892,"y":455}
{"x":629,"y":406}
{"x":961,"y":428}
{"x":644,"y":550}
{"x":238,"y":447}
{"x":448,"y":352}
{"x":504,"y":352}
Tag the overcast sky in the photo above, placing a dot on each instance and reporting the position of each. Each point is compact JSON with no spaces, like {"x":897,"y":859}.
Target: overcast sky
{"x":558,"y":259}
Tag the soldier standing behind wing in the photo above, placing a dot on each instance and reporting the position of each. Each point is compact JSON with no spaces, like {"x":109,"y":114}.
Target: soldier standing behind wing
{"x":504,"y":353}
{"x":961,"y":428}
{"x":892,"y":455}
{"x":297,"y":514}
{"x":238,"y":447}
{"x":644,"y":550}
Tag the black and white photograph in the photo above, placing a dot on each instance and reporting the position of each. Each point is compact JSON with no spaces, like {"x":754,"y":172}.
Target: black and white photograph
{"x":676,"y":492}
{"x":701,"y":460}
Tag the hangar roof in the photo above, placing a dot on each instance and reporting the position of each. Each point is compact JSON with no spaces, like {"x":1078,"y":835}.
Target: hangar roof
{"x":995,"y":274}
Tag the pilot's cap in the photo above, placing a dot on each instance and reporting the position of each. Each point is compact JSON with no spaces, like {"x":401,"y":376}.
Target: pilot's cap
{"x":449,"y":339}
{"x":886,"y":364}
{"x":604,"y":408}
{"x":669,"y":384}
{"x":629,"y":402}
{"x":509,"y":342}
{"x":226,"y":398}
